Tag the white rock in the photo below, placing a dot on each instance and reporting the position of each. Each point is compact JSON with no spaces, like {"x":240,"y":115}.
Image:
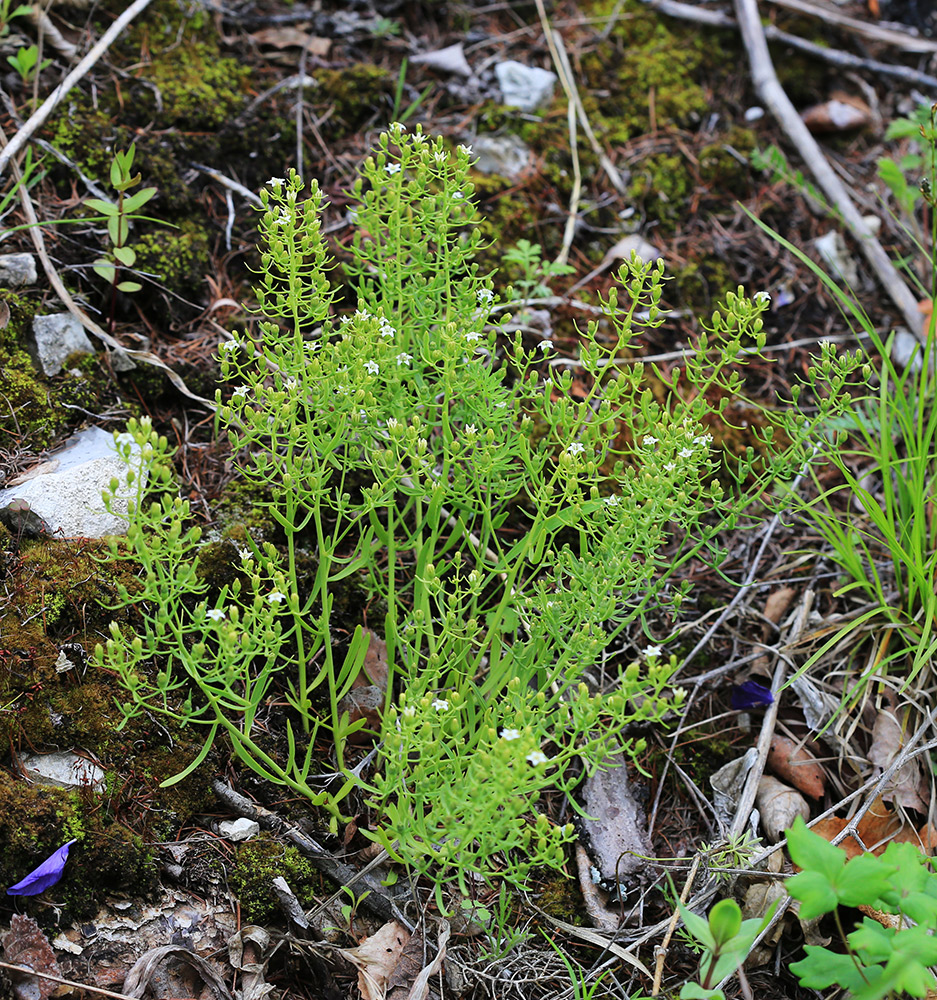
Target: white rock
{"x":63,"y":769}
{"x":238,"y":829}
{"x":69,"y":499}
{"x":504,"y":155}
{"x":832,"y":248}
{"x":524,"y":87}
{"x":448,"y":60}
{"x":56,"y":337}
{"x":17,"y":269}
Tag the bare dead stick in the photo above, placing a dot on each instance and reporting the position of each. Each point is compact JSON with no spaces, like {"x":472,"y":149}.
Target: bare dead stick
{"x":26,"y":971}
{"x":49,"y":104}
{"x":772,"y":94}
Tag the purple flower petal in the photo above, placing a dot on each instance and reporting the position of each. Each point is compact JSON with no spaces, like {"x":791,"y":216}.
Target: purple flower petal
{"x":751,"y":694}
{"x":45,"y":876}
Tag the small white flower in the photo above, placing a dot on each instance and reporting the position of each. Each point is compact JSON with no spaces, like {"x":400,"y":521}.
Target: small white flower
{"x":311,"y":346}
{"x":510,"y":734}
{"x":685,"y":453}
{"x":537,"y":757}
{"x":387,"y":330}
{"x":392,"y":168}
{"x":228,"y":345}
{"x":276,"y":181}
{"x":670,"y":467}
{"x":283,"y":219}
{"x":545,"y":345}
{"x":611,"y":501}
{"x":679,"y":693}
{"x":576,"y":448}
{"x":409,"y":712}
{"x":649,"y":441}
{"x":241,"y":392}
{"x":466,"y":149}
{"x":485,"y":295}
{"x":457,"y":196}
{"x":275,"y":597}
{"x":216,"y":614}
{"x":404,"y":359}
{"x":440,"y":704}
{"x":703,"y":439}
{"x":392,"y":423}
{"x":650,"y":651}
{"x":362,"y":314}
{"x":372,"y":366}
{"x":124,"y":438}
{"x":472,"y":336}
{"x":471,"y":429}
{"x":440,"y":156}
{"x":762,"y":296}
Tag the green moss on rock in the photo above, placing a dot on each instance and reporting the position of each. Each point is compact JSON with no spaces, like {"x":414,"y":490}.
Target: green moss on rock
{"x":259,"y":862}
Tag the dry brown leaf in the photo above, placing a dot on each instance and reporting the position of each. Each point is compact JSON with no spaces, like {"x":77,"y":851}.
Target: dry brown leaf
{"x":779,"y":805}
{"x":924,"y":839}
{"x":292,"y":38}
{"x":376,"y":957}
{"x":363,"y":703}
{"x":374,"y":668}
{"x":797,"y":765}
{"x":25,"y":944}
{"x":877,"y":828}
{"x":908,"y":787}
{"x":410,"y":979}
{"x":777,"y":603}
{"x":839,"y":114}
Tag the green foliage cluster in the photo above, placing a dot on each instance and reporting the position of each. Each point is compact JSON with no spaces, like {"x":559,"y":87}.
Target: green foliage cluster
{"x":879,"y":960}
{"x":507,"y":563}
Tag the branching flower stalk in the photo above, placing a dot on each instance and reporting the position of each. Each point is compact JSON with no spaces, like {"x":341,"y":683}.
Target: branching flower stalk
{"x":509,"y":533}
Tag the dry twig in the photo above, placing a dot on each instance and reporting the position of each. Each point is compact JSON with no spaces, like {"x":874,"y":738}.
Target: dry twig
{"x":772,"y":94}
{"x":37,"y":119}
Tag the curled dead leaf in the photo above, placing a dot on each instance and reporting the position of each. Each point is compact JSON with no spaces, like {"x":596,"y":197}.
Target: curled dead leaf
{"x":376,"y":957}
{"x":797,"y":765}
{"x":909,"y":786}
{"x":779,"y":805}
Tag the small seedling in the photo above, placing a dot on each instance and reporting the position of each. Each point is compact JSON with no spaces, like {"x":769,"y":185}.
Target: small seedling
{"x":8,"y":12}
{"x":118,"y":226}
{"x":726,"y":939}
{"x":535,"y":272}
{"x":25,"y":62}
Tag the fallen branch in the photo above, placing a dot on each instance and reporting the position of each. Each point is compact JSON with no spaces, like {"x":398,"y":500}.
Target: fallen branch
{"x":37,"y":119}
{"x":773,"y":96}
{"x":837,"y":57}
{"x":829,"y":15}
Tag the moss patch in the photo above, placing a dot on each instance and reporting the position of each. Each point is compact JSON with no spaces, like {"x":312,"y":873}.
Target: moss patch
{"x":259,"y":862}
{"x":107,"y":859}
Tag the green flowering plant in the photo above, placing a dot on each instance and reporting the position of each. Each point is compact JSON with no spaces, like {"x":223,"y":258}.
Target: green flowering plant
{"x":510,"y":533}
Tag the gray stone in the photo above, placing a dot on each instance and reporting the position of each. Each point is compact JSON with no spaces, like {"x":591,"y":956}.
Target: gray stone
{"x":524,"y":87}
{"x":56,"y":337}
{"x":63,"y":769}
{"x":17,"y":269}
{"x":504,"y":155}
{"x":68,"y":499}
{"x":238,"y":829}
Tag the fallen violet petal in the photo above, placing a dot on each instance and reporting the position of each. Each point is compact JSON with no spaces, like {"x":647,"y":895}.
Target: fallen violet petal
{"x":751,"y":694}
{"x":45,"y":876}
